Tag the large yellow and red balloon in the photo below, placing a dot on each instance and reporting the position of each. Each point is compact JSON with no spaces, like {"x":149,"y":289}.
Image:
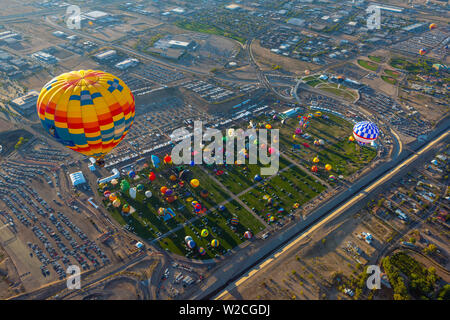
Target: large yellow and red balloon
{"x":87,"y":111}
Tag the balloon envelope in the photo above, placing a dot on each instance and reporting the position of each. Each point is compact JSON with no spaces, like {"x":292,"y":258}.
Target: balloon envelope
{"x":88,"y":111}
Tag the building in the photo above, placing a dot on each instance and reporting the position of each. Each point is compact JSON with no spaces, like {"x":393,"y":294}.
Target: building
{"x":416,"y":27}
{"x":296,"y":22}
{"x":26,"y":104}
{"x":106,"y":55}
{"x":45,"y":57}
{"x":127,"y":63}
{"x":175,"y":44}
{"x":77,"y":178}
{"x":233,"y":7}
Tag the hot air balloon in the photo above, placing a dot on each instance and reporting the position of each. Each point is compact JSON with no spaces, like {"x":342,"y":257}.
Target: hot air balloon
{"x":332,"y":178}
{"x":112,"y":197}
{"x":116,"y":203}
{"x":106,"y":194}
{"x":133,"y":193}
{"x":328,"y":167}
{"x":222,"y":208}
{"x":140,"y":187}
{"x":296,"y":205}
{"x":214,"y":243}
{"x":314,"y":168}
{"x":433,"y":26}
{"x":422,"y":51}
{"x":191,"y":244}
{"x":204,"y":233}
{"x":318,"y":114}
{"x":161,"y":211}
{"x":155,"y":161}
{"x":248,"y":235}
{"x":167,"y":159}
{"x":316,"y":142}
{"x":307,"y":72}
{"x":351,"y":139}
{"x":204,"y":193}
{"x":234,"y":221}
{"x":195,"y":183}
{"x":163,"y":189}
{"x":131,"y":174}
{"x":152,"y":176}
{"x":365,"y":132}
{"x":268,"y":126}
{"x":148,"y":194}
{"x":126,"y":208}
{"x":124,"y":185}
{"x":272,"y":219}
{"x":321,"y":142}
{"x":168,"y":192}
{"x":230,"y":132}
{"x":298,"y":131}
{"x":201,"y":251}
{"x":114,"y":182}
{"x":316,"y":159}
{"x":87,"y":111}
{"x":257,"y":178}
{"x":173,"y":177}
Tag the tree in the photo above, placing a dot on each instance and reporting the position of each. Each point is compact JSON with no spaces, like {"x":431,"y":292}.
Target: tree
{"x":430,"y":249}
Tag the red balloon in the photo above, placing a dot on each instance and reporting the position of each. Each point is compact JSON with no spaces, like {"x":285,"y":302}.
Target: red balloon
{"x":152,"y":176}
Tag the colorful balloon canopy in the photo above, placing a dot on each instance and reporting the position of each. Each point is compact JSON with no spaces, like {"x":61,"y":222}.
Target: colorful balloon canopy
{"x":351,"y":139}
{"x":116,"y":203}
{"x":234,"y":221}
{"x":204,"y":233}
{"x":268,"y":126}
{"x":422,"y":51}
{"x":314,"y":169}
{"x":365,"y":132}
{"x":106,"y":194}
{"x":114,"y":182}
{"x":133,"y":193}
{"x":195,"y":183}
{"x":167,"y":159}
{"x":316,"y":159}
{"x":140,"y":187}
{"x":152,"y":176}
{"x":131,"y":174}
{"x":214,"y":243}
{"x":163,"y":189}
{"x":201,"y":251}
{"x":87,"y":111}
{"x":248,"y":235}
{"x":126,"y":208}
{"x":433,"y":26}
{"x":328,"y":167}
{"x":155,"y":161}
{"x":124,"y":185}
{"x":112,"y":197}
{"x":332,"y":178}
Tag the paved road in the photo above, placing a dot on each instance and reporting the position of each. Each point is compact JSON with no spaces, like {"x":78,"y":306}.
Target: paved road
{"x":244,"y":261}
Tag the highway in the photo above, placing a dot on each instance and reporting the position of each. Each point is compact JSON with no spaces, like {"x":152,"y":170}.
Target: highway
{"x":245,"y":263}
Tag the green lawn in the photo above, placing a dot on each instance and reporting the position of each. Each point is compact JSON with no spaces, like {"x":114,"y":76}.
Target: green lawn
{"x":392,"y":73}
{"x":376,"y":59}
{"x":368,"y":65}
{"x":389,"y":80}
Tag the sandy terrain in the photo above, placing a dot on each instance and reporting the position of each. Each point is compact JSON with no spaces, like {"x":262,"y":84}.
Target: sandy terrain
{"x":266,"y":59}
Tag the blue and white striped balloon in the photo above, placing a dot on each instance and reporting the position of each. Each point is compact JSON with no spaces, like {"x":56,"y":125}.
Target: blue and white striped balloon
{"x":365,"y":132}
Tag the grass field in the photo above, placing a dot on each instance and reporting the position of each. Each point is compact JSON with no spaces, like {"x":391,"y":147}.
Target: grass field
{"x":376,"y":59}
{"x":392,"y":73}
{"x":369,"y":65}
{"x":389,"y":80}
{"x":293,"y":184}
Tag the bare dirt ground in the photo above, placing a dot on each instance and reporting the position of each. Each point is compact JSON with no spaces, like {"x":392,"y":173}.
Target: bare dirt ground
{"x":11,"y":7}
{"x":266,"y":59}
{"x":307,"y":272}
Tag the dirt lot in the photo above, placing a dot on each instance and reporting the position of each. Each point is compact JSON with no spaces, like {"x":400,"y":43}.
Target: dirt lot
{"x":266,"y":59}
{"x":10,"y":138}
{"x":307,"y":272}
